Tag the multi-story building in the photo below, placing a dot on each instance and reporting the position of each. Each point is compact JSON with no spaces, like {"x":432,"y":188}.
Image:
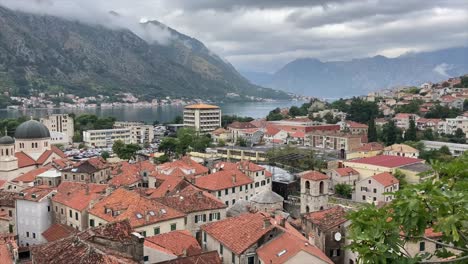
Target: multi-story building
{"x":452,"y":124}
{"x":147,"y":217}
{"x":333,"y":140}
{"x":202,"y":118}
{"x":104,"y":138}
{"x":72,"y":201}
{"x":61,"y":123}
{"x":374,"y":188}
{"x":93,"y":170}
{"x":402,"y":120}
{"x":33,"y":214}
{"x":401,"y":150}
{"x":140,"y":133}
{"x":382,"y":163}
{"x":347,"y":176}
{"x":314,"y":191}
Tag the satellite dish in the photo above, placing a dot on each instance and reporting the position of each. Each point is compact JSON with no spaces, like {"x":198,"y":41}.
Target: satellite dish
{"x":337,"y":236}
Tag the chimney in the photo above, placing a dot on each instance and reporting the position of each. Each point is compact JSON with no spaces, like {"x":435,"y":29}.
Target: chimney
{"x":147,"y":216}
{"x":234,"y":178}
{"x":282,"y":222}
{"x":87,"y":189}
{"x":266,"y":222}
{"x":200,"y":194}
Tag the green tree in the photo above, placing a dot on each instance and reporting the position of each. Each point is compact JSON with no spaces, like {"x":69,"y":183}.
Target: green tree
{"x":439,"y":111}
{"x":161,"y":159}
{"x":428,"y":134}
{"x":118,"y":146}
{"x":412,"y":107}
{"x":168,"y":145}
{"x":411,"y":132}
{"x":344,"y":190}
{"x":294,"y":111}
{"x":77,"y":137}
{"x":378,"y":235}
{"x":229,"y":119}
{"x":241,"y":142}
{"x":221,"y":143}
{"x":329,"y":118}
{"x":128,"y":151}
{"x":105,"y":155}
{"x":275,"y":115}
{"x":178,"y":120}
{"x":458,"y":137}
{"x":362,"y":111}
{"x":372,"y":131}
{"x":390,"y":133}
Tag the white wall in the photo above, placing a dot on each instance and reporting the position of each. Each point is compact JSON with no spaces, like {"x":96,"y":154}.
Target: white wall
{"x":32,"y":217}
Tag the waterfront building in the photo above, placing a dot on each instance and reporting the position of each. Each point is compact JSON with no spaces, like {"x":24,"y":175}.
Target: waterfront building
{"x":104,"y":138}
{"x":60,"y":123}
{"x":202,"y":118}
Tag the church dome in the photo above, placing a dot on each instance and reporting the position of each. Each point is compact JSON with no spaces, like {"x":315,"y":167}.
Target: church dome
{"x":267,"y":197}
{"x":32,"y":129}
{"x":6,"y":140}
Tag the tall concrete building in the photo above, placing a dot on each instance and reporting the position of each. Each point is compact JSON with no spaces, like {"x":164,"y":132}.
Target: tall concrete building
{"x":60,"y":123}
{"x":202,"y":117}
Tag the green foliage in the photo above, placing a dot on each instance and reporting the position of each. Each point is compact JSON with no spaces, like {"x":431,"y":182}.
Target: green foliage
{"x":412,"y":107}
{"x":362,"y":111}
{"x":443,"y":155}
{"x":10,"y":124}
{"x":168,"y":145}
{"x":391,"y":134}
{"x":439,"y":111}
{"x":162,"y":159}
{"x":125,"y":151}
{"x":229,"y":119}
{"x":458,"y":137}
{"x":187,"y":140}
{"x":89,"y":121}
{"x":105,"y":155}
{"x":178,"y":120}
{"x":428,"y":134}
{"x":221,"y":143}
{"x":310,"y":161}
{"x":372,"y":131}
{"x":413,"y":90}
{"x":274,"y":115}
{"x":344,"y":190}
{"x":378,"y":235}
{"x":410,"y":134}
{"x":242,"y":142}
{"x":463,"y":83}
{"x":77,"y":137}
{"x":401,"y":177}
{"x":341,"y":105}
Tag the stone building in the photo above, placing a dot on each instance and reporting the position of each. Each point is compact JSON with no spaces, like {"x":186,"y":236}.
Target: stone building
{"x":267,"y":201}
{"x":314,"y":191}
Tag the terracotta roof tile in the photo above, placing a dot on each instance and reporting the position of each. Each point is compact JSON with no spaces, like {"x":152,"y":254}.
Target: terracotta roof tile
{"x":78,"y":195}
{"x":313,"y":175}
{"x":24,"y":160}
{"x":179,"y":243}
{"x":35,"y":193}
{"x":140,"y":211}
{"x":211,"y":257}
{"x":126,"y":174}
{"x":327,"y":218}
{"x":385,"y":178}
{"x":185,"y":164}
{"x":285,"y":246}
{"x":222,"y":180}
{"x":387,"y":161}
{"x":346,"y":171}
{"x":372,"y":146}
{"x":58,"y":231}
{"x":192,"y":199}
{"x":31,"y":175}
{"x":239,"y":233}
{"x":7,"y":245}
{"x":241,"y":125}
{"x":166,"y":184}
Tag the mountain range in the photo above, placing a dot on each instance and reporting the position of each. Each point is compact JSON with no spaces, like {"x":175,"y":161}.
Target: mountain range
{"x":360,"y":76}
{"x":52,"y":54}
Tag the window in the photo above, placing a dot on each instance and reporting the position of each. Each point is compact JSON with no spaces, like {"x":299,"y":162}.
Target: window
{"x":375,"y":190}
{"x":374,"y":199}
{"x":422,"y":246}
{"x":263,"y":183}
{"x":34,"y":235}
{"x":226,"y":192}
{"x":48,"y":208}
{"x":227,"y":203}
{"x":233,"y":258}
{"x":221,"y":248}
{"x":204,"y":237}
{"x":70,"y":213}
{"x":91,"y":222}
{"x":251,"y":185}
{"x":145,"y":258}
{"x":143,"y":233}
{"x":240,"y":188}
{"x":257,"y":184}
{"x":250,"y":260}
{"x":268,"y":180}
{"x":370,"y":181}
{"x":233,"y":201}
{"x":76,"y":216}
{"x":219,"y":193}
{"x":61,"y":210}
{"x":437,"y":245}
{"x":173,"y":227}
{"x":10,"y":213}
{"x":233,"y":190}
{"x":27,"y":234}
{"x":82,"y":177}
{"x":246,"y":187}
{"x":157,"y":231}
{"x":196,"y":219}
{"x":321,"y":186}
{"x":363,"y":197}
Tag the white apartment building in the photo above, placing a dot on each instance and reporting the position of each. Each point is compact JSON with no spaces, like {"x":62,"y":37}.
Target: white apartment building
{"x":140,"y":133}
{"x":202,"y":117}
{"x":61,"y":123}
{"x":107,"y":137}
{"x":452,"y":124}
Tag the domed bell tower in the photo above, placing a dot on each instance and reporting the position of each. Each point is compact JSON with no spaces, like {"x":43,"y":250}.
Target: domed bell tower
{"x":8,"y":160}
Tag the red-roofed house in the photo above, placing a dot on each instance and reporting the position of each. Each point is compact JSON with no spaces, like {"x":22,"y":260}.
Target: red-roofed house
{"x":327,"y":231}
{"x":402,"y":120}
{"x":353,"y":127}
{"x":95,"y":170}
{"x":57,"y":232}
{"x":146,"y":216}
{"x":184,"y":167}
{"x":72,"y":201}
{"x":343,"y":176}
{"x":382,"y":163}
{"x":170,"y":246}
{"x":131,"y":175}
{"x":314,"y":191}
{"x":237,"y":238}
{"x":8,"y":249}
{"x":290,"y":249}
{"x":366,"y":150}
{"x":200,"y":207}
{"x":373,"y":188}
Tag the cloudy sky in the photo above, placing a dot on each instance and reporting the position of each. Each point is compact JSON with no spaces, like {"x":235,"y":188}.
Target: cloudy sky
{"x":263,"y":35}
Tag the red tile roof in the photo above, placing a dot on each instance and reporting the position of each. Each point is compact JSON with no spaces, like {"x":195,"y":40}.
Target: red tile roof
{"x":353,"y":124}
{"x":285,"y":246}
{"x":372,"y":146}
{"x":298,"y":134}
{"x":241,"y":125}
{"x":249,"y":166}
{"x":140,"y":211}
{"x":31,"y":175}
{"x":346,"y":171}
{"x":179,"y":243}
{"x":222,"y":180}
{"x":185,"y":164}
{"x":271,"y":130}
{"x":127,"y":174}
{"x":385,"y":178}
{"x":239,"y":233}
{"x":35,"y":193}
{"x":211,"y":257}
{"x":58,"y":231}
{"x":192,"y":199}
{"x":165,"y":184}
{"x":77,"y":195}
{"x":313,"y":176}
{"x":327,"y":218}
{"x":24,"y":160}
{"x":387,"y":161}
{"x":87,"y":249}
{"x":7,"y":245}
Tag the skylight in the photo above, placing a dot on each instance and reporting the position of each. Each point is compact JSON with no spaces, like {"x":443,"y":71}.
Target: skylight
{"x":139,"y":216}
{"x":151,"y":213}
{"x":281,"y":253}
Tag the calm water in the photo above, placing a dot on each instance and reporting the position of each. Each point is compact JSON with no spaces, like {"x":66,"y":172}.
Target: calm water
{"x":162,"y":113}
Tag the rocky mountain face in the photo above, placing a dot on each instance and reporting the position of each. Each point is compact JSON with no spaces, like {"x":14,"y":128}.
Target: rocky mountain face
{"x":360,"y":76}
{"x":52,"y":54}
